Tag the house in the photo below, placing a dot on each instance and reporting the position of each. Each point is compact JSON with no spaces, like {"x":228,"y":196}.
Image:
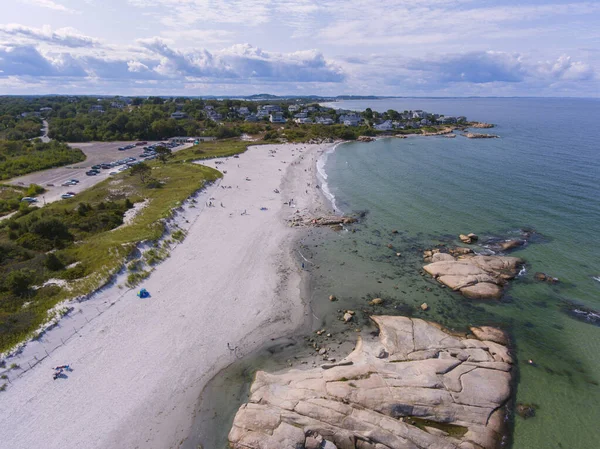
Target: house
{"x":178,"y":115}
{"x":447,"y":120}
{"x":419,"y":114}
{"x":243,"y":110}
{"x":324,"y":121}
{"x":252,"y":118}
{"x":262,"y":114}
{"x":293,"y":108}
{"x":269,"y":108}
{"x":384,"y":126}
{"x":46,"y":109}
{"x":301,"y":115}
{"x":461,"y":118}
{"x":352,"y":119}
{"x":30,"y":114}
{"x":96,"y":108}
{"x":303,"y":120}
{"x":117,"y":105}
{"x":276,"y":117}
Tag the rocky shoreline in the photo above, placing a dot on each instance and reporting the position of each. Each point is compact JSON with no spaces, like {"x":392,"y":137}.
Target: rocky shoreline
{"x":470,"y":135}
{"x":413,"y":384}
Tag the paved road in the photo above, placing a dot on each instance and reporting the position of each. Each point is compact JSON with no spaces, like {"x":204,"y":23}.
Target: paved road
{"x":45,"y":137}
{"x":96,"y":152}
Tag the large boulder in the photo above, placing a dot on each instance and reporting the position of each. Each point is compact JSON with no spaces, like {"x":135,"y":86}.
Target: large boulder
{"x":475,"y":276}
{"x":433,"y":389}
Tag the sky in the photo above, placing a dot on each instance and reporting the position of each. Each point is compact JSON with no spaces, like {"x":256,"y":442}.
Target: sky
{"x":301,"y":47}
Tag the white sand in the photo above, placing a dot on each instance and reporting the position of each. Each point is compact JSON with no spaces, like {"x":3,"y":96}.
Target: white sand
{"x":139,"y":367}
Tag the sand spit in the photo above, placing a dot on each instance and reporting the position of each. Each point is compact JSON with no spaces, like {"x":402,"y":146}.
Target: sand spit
{"x":139,"y":366}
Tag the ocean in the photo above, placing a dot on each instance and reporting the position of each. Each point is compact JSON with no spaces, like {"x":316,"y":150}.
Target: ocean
{"x":542,"y":175}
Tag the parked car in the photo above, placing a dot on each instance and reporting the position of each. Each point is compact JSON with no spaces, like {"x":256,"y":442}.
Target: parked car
{"x":66,"y":196}
{"x":66,"y":183}
{"x":96,"y":167}
{"x":74,"y":181}
{"x":140,"y":144}
{"x":29,"y":199}
{"x":91,"y":172}
{"x":113,"y":173}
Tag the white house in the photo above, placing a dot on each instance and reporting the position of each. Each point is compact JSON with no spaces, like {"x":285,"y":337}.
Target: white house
{"x":178,"y":115}
{"x":276,"y":117}
{"x":350,"y":119}
{"x":293,"y":108}
{"x":303,"y":120}
{"x":384,"y":126}
{"x":243,"y":110}
{"x":324,"y":121}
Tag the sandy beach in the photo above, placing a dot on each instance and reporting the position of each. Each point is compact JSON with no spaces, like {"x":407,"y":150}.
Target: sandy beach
{"x":139,"y":367}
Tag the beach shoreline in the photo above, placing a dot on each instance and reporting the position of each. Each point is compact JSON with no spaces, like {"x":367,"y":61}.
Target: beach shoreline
{"x":139,"y":367}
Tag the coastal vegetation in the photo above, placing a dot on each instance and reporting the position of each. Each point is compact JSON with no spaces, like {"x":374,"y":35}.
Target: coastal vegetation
{"x":19,"y":157}
{"x":273,"y":119}
{"x":19,"y":128}
{"x":10,"y":196}
{"x":72,"y":247}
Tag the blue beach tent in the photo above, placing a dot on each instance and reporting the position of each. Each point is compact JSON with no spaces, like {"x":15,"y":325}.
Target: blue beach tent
{"x":143,"y":293}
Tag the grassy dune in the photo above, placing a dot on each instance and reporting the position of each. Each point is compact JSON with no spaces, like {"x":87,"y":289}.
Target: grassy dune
{"x":94,"y":244}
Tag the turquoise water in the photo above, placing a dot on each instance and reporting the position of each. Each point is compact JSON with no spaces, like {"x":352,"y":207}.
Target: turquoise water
{"x":542,"y":174}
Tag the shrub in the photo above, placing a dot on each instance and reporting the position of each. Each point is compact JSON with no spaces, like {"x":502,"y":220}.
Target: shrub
{"x":178,"y":235}
{"x":154,"y":184}
{"x":77,"y":272}
{"x":53,"y":263}
{"x":19,"y":281}
{"x":134,"y":279}
{"x":34,"y":190}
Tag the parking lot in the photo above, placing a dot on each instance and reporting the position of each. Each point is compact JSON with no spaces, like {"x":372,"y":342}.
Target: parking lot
{"x":97,"y":153}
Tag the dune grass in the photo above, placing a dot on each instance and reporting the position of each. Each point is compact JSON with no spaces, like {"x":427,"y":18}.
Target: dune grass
{"x":94,"y":256}
{"x":216,"y":148}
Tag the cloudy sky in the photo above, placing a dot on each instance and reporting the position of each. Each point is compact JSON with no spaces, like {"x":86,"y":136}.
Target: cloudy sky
{"x":327,"y":47}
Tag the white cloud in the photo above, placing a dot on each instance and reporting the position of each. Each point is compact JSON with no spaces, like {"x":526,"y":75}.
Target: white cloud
{"x":136,"y":66}
{"x":68,"y":37}
{"x":49,"y":4}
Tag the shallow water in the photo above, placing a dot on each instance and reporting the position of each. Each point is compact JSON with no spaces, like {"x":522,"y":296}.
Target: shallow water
{"x":543,"y":174}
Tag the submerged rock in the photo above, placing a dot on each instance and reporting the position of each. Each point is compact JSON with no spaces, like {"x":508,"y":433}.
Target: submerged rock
{"x":475,"y":276}
{"x":582,"y":313}
{"x":543,"y":277}
{"x":415,"y":386}
{"x":526,"y":410}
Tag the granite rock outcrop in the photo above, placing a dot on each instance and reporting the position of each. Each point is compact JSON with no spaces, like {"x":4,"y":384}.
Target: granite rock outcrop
{"x":415,"y":385}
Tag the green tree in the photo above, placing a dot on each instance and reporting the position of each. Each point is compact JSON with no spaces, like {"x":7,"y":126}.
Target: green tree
{"x":163,"y":153}
{"x":141,"y":170}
